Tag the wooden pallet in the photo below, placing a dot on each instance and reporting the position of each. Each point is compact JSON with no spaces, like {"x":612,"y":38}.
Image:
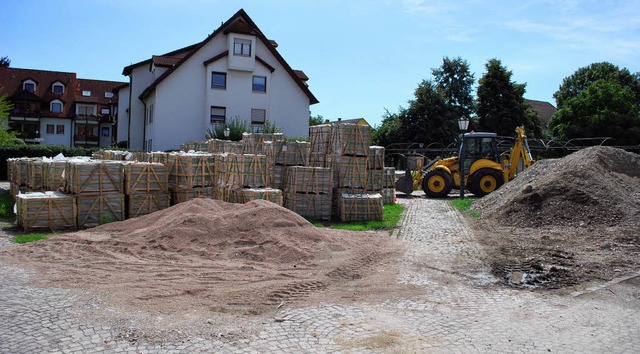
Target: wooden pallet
{"x":389,"y":178}
{"x":376,"y":158}
{"x":375,"y":180}
{"x":53,"y":175}
{"x":316,"y":180}
{"x":98,"y":209}
{"x":94,"y":177}
{"x":46,"y":210}
{"x":139,"y":204}
{"x":145,"y":177}
{"x":349,"y":171}
{"x":241,"y":171}
{"x":315,"y":206}
{"x":360,"y":207}
{"x":245,"y":195}
{"x":181,"y":195}
{"x":189,"y":170}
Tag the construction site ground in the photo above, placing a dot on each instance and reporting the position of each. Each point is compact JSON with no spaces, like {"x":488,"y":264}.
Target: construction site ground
{"x":440,"y":284}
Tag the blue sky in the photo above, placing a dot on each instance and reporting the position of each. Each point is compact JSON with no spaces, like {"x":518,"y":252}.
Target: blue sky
{"x":362,"y":57}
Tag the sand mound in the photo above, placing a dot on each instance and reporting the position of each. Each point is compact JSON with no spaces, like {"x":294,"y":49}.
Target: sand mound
{"x":597,"y":186}
{"x":225,"y":257}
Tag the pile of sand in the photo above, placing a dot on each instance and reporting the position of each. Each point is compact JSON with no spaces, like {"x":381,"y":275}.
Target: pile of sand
{"x":210,"y":253}
{"x":597,"y":186}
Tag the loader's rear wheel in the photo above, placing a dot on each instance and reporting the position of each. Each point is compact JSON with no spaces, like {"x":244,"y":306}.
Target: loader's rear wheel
{"x":485,"y":181}
{"x":437,"y":183}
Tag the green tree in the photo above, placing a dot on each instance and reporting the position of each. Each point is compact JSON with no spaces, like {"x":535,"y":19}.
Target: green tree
{"x":455,"y":82}
{"x":317,"y":120}
{"x":5,"y":62}
{"x":500,"y":106}
{"x":6,"y":136}
{"x":603,"y":109}
{"x":573,"y":85}
{"x":388,"y":132}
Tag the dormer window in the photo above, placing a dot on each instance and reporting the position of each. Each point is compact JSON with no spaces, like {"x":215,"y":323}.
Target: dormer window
{"x":57,"y":88}
{"x":29,"y":85}
{"x":108,"y":94}
{"x":86,"y":93}
{"x":56,"y":106}
{"x":242,"y":47}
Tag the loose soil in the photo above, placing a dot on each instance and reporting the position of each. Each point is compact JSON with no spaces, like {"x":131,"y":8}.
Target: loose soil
{"x":214,"y":256}
{"x":565,"y":221}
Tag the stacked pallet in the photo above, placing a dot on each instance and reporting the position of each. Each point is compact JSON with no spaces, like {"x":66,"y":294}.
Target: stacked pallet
{"x":283,"y":154}
{"x":53,"y":174}
{"x":45,"y":210}
{"x":217,"y":146}
{"x":360,"y":207}
{"x":379,"y":178}
{"x":308,"y":191}
{"x":235,"y":172}
{"x":388,"y":191}
{"x":194,"y":146}
{"x":146,"y":188}
{"x":98,"y":187}
{"x":254,"y":143}
{"x":244,"y":195}
{"x":189,"y":173}
{"x":17,"y":172}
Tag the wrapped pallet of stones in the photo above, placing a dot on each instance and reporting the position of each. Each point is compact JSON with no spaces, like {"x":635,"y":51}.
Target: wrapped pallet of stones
{"x":242,"y":171}
{"x":190,"y":170}
{"x":46,"y":210}
{"x":218,"y":146}
{"x":100,"y":208}
{"x":360,"y":207}
{"x":376,"y":158}
{"x":388,"y":191}
{"x":254,"y":143}
{"x":94,"y":176}
{"x":53,"y":174}
{"x":282,"y":154}
{"x":34,"y":175}
{"x":196,"y":146}
{"x":182,"y":194}
{"x":244,"y":195}
{"x":145,"y":177}
{"x":349,"y":140}
{"x":349,"y":171}
{"x":157,"y":157}
{"x":308,"y":191}
{"x":139,"y":204}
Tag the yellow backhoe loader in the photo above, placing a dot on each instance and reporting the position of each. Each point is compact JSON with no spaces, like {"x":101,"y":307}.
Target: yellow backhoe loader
{"x":485,"y":170}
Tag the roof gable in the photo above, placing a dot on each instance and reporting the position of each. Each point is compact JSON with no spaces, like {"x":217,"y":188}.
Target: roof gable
{"x":240,"y":22}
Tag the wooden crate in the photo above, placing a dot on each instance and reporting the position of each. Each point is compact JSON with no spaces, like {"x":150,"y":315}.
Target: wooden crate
{"x":360,"y":207}
{"x":53,"y":175}
{"x":301,"y":179}
{"x":196,"y":146}
{"x":139,"y":204}
{"x":157,"y":157}
{"x":34,"y":174}
{"x":46,"y":210}
{"x":319,"y":138}
{"x":145,"y":177}
{"x":218,"y":146}
{"x":181,"y":195}
{"x":94,"y":177}
{"x":389,"y":178}
{"x":315,"y":206}
{"x":318,"y":160}
{"x":349,"y":140}
{"x":376,"y":158}
{"x":388,"y":195}
{"x":190,"y":170}
{"x":349,"y":171}
{"x":242,"y":171}
{"x":18,"y":170}
{"x":100,"y":208}
{"x":375,"y":180}
{"x":277,"y":176}
{"x":15,"y":189}
{"x":245,"y":195}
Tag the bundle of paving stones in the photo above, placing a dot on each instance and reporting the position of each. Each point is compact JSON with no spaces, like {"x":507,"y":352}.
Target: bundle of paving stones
{"x":308,"y":191}
{"x":146,"y":188}
{"x":46,"y":210}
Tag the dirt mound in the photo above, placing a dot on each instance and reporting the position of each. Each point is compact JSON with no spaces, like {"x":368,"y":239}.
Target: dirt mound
{"x":217,"y":256}
{"x":597,"y":186}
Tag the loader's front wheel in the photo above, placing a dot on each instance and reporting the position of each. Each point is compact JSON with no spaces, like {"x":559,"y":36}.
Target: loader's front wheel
{"x":437,"y":183}
{"x":485,"y":181}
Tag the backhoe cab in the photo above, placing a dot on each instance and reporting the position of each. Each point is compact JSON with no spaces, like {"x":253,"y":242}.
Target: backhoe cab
{"x":484,"y":169}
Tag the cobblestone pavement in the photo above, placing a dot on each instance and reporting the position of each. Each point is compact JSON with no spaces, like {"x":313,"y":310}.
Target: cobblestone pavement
{"x":461,"y":310}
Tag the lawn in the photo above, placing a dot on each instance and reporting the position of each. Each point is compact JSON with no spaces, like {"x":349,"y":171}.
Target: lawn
{"x":391,"y":216}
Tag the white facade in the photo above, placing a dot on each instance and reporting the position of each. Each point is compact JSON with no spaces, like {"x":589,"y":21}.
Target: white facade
{"x":56,"y":131}
{"x":182,"y":99}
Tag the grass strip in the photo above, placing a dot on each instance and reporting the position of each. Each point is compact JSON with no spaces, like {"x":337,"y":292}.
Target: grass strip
{"x":464,"y":206}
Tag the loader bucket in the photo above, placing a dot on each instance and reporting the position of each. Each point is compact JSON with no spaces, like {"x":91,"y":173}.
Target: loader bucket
{"x":405,"y":183}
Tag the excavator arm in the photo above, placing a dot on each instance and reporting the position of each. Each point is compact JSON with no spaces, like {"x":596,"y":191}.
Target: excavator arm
{"x":519,"y":156}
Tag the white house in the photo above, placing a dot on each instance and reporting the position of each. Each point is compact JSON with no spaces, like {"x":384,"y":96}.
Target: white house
{"x":235,"y":73}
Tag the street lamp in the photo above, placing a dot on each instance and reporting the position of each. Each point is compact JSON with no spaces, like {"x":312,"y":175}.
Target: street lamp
{"x":227,"y":131}
{"x":463,"y":124}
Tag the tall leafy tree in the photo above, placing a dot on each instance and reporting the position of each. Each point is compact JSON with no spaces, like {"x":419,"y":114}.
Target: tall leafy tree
{"x":389,"y":131}
{"x":6,"y":136}
{"x":455,"y":82}
{"x":317,"y":120}
{"x":500,"y":106}
{"x":573,"y":85}
{"x":603,"y":109}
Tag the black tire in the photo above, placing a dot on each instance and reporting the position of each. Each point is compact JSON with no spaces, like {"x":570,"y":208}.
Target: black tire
{"x":485,"y":181}
{"x":437,"y":183}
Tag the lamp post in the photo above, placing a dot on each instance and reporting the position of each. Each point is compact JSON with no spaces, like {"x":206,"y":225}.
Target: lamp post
{"x":463,"y":124}
{"x":226,"y":132}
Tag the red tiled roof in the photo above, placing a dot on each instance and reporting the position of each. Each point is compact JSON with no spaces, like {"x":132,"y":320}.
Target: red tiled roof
{"x":240,"y":22}
{"x":98,"y":88}
{"x":165,"y":60}
{"x":179,"y":53}
{"x":545,"y":110}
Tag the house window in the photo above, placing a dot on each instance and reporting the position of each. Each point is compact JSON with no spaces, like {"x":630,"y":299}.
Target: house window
{"x":259,"y":84}
{"x":29,"y":85}
{"x":218,"y":80}
{"x":57,"y":88}
{"x":56,"y":106}
{"x":105,"y":131}
{"x":60,"y":129}
{"x":86,"y":93}
{"x":150,"y":114}
{"x":258,"y":116}
{"x":51,"y":128}
{"x":242,"y":47}
{"x":85,"y":109}
{"x":218,"y":114}
{"x":108,"y":94}
{"x":105,"y":111}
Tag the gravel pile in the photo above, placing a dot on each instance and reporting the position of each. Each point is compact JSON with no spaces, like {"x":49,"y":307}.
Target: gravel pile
{"x":597,"y":186}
